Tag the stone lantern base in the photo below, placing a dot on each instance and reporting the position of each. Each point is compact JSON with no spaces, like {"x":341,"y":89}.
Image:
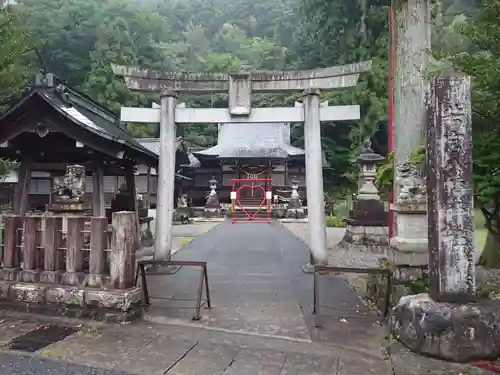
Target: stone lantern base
{"x":212,"y":207}
{"x":295,"y":209}
{"x":366,"y":228}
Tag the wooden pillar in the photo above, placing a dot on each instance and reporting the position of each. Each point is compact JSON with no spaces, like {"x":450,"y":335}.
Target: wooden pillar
{"x":30,"y":272}
{"x":122,"y":268}
{"x":12,"y":253}
{"x":52,"y":239}
{"x":98,"y":242}
{"x":131,"y":187}
{"x":74,"y":256}
{"x":146,"y":196}
{"x":449,"y":190}
{"x":21,"y":193}
{"x":98,"y":205}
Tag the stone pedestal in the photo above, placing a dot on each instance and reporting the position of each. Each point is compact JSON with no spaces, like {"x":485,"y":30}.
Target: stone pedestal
{"x":366,"y":228}
{"x":410,"y":245}
{"x":453,"y":332}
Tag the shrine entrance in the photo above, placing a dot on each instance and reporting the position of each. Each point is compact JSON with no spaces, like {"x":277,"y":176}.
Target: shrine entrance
{"x":251,"y":199}
{"x":240,"y":87}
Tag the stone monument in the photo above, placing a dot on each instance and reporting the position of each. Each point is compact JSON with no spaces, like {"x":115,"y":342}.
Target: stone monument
{"x":450,"y":322}
{"x":294,"y":208}
{"x":212,"y":206}
{"x":366,"y":226}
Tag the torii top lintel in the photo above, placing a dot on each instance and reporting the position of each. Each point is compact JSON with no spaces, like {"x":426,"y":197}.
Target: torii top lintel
{"x":335,"y":77}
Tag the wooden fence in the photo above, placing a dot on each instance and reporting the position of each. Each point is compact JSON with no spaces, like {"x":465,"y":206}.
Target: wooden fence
{"x":87,"y":253}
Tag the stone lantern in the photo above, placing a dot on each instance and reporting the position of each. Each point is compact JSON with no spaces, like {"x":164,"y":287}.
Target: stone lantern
{"x":212,"y":206}
{"x":295,"y":208}
{"x":366,"y":226}
{"x":368,"y":161}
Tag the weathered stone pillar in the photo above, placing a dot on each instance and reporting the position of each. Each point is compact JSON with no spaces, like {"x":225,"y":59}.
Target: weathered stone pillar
{"x":166,"y":177}
{"x":446,"y":324}
{"x":449,"y":188}
{"x":314,"y":177}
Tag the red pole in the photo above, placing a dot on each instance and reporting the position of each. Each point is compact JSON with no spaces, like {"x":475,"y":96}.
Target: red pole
{"x":268,"y":184}
{"x":390,"y":110}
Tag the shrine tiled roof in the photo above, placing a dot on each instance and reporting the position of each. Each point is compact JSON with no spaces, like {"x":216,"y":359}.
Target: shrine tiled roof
{"x":258,"y":140}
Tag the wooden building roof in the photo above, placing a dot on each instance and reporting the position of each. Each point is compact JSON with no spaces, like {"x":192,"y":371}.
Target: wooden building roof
{"x":55,"y":110}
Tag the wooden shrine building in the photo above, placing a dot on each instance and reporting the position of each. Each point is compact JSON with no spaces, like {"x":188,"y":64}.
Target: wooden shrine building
{"x":54,"y":126}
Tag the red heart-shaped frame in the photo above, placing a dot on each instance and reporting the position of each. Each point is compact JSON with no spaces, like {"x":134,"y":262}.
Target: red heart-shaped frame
{"x":251,"y":217}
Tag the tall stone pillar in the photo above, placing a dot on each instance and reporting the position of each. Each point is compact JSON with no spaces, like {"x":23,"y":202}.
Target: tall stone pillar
{"x":314,"y":177}
{"x":449,"y":189}
{"x":166,"y":177}
{"x":412,"y":43}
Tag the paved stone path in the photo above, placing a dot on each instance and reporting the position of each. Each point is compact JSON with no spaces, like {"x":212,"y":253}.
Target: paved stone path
{"x":155,"y":349}
{"x":258,"y":287}
{"x":16,"y":365}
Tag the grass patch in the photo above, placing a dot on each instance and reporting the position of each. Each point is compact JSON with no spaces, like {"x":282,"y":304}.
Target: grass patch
{"x":480,"y":238}
{"x":334,"y":222}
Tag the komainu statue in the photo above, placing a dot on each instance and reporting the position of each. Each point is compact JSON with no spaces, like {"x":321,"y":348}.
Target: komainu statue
{"x":70,"y":187}
{"x":408,"y":178}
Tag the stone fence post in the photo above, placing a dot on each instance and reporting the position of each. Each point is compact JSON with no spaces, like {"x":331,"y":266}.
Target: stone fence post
{"x":123,"y":246}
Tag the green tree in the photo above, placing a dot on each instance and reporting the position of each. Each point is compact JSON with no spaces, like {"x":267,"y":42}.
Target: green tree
{"x":336,"y":32}
{"x":482,"y":62}
{"x":14,"y":50}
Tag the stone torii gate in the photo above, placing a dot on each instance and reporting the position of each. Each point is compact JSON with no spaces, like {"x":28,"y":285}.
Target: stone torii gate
{"x":240,"y":87}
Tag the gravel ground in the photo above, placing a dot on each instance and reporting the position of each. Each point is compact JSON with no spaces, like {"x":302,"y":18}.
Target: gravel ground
{"x":336,"y":256}
{"x":12,"y":364}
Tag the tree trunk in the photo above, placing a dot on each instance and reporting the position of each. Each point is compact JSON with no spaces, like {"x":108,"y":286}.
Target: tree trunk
{"x":490,"y":256}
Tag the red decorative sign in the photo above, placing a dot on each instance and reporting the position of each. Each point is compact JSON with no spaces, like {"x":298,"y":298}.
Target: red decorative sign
{"x":253,"y":184}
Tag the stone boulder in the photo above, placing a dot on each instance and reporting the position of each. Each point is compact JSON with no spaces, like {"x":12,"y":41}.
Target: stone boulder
{"x":453,"y":332}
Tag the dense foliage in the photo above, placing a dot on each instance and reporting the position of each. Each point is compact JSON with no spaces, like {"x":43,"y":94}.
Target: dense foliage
{"x":78,"y":39}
